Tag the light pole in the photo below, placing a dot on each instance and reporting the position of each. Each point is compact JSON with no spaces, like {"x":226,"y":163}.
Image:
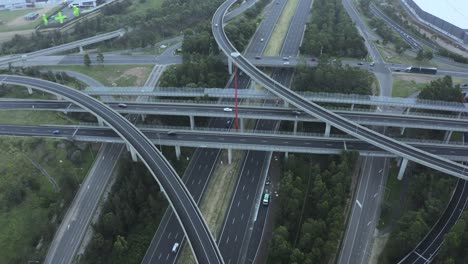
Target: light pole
{"x":234,"y":55}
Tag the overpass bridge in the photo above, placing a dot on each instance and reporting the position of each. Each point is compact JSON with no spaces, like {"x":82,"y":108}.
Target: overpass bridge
{"x":214,"y":109}
{"x":224,"y":139}
{"x":316,"y":97}
{"x":64,"y":47}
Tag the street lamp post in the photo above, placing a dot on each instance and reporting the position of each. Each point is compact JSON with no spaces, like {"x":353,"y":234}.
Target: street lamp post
{"x":234,"y":55}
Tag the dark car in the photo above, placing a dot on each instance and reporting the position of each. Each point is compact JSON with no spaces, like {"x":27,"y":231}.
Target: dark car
{"x":257,"y":57}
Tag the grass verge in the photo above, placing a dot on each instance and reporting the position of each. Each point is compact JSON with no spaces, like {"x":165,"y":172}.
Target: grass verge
{"x":113,"y":75}
{"x":23,"y":117}
{"x":217,"y":197}
{"x":281,"y":29}
{"x":402,"y":88}
{"x":391,"y":198}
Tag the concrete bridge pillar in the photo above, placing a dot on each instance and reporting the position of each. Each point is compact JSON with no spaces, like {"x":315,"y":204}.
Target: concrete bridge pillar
{"x":327,"y":130}
{"x":403,"y":165}
{"x":132,"y":152}
{"x":352,"y":107}
{"x":286,"y":156}
{"x":295,"y":127}
{"x":252,"y":84}
{"x":81,"y":49}
{"x":30,"y":91}
{"x":447,"y":136}
{"x":100,"y":121}
{"x":177,"y":152}
{"x":229,"y":65}
{"x":407,"y":110}
{"x":229,"y":156}
{"x":143,"y":117}
{"x":241,"y":120}
{"x":402,"y":130}
{"x":192,"y":122}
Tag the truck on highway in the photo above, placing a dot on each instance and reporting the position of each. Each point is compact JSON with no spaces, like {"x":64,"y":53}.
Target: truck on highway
{"x":423,"y":70}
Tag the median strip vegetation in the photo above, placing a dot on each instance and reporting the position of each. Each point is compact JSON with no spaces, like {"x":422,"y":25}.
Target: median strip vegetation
{"x":281,"y":29}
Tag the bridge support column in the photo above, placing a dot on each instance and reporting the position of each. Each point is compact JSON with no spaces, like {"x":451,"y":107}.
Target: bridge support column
{"x":229,"y":65}
{"x":295,"y":127}
{"x":192,"y":122}
{"x":327,"y":130}
{"x":81,"y":50}
{"x":252,"y":84}
{"x":100,"y":121}
{"x":177,"y":152}
{"x":30,"y":91}
{"x":229,"y":156}
{"x":407,"y":111}
{"x":352,"y":107}
{"x":403,"y":165}
{"x":132,"y":152}
{"x":143,"y":117}
{"x":286,"y":156}
{"x":402,"y":130}
{"x":241,"y":124}
{"x":447,"y":136}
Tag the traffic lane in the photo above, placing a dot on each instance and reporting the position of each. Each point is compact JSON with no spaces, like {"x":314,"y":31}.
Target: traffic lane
{"x":237,"y":219}
{"x":88,"y":198}
{"x":367,"y":217}
{"x":122,"y":59}
{"x":430,"y":244}
{"x":429,"y":247}
{"x":367,"y":118}
{"x":264,"y":31}
{"x":157,"y":250}
{"x":232,"y":139}
{"x":189,"y":215}
{"x":294,"y":35}
{"x":196,"y":180}
{"x":197,"y":175}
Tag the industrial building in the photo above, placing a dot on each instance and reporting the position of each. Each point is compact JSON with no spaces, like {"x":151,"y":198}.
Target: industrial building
{"x":448,"y":17}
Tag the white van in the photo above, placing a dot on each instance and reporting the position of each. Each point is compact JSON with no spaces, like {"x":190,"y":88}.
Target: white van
{"x":175,"y":247}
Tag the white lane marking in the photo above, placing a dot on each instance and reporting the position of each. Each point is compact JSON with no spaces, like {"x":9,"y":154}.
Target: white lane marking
{"x":358,"y":203}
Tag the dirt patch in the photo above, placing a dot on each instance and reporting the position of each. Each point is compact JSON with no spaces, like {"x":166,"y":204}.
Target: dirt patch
{"x":20,"y":21}
{"x":414,"y":77}
{"x":7,"y":36}
{"x":140,"y":73}
{"x":377,"y":248}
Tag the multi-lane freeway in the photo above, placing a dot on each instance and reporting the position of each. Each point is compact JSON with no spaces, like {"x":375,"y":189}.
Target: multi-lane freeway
{"x":335,"y":120}
{"x":412,"y":120}
{"x":194,"y":226}
{"x":265,"y":141}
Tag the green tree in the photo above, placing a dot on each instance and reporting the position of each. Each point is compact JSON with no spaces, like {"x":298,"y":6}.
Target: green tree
{"x":428,"y":55}
{"x":420,"y":55}
{"x":442,"y":89}
{"x":100,"y":57}
{"x":86,"y":60}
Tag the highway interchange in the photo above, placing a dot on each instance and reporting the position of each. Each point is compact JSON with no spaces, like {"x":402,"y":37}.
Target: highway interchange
{"x":284,"y":113}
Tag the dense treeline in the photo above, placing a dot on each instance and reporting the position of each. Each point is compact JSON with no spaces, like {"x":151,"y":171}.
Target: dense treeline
{"x":332,"y":32}
{"x":202,"y":66}
{"x":442,"y":89}
{"x":129,"y":217}
{"x":429,"y":193}
{"x":241,"y":30}
{"x":333,"y":78}
{"x":312,"y":203}
{"x":456,"y":242}
{"x":145,"y":28}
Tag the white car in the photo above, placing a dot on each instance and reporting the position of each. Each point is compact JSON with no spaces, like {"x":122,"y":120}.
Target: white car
{"x":227,"y":109}
{"x":286,"y":63}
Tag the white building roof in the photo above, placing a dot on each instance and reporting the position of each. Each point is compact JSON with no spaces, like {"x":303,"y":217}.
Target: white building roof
{"x":452,"y":11}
